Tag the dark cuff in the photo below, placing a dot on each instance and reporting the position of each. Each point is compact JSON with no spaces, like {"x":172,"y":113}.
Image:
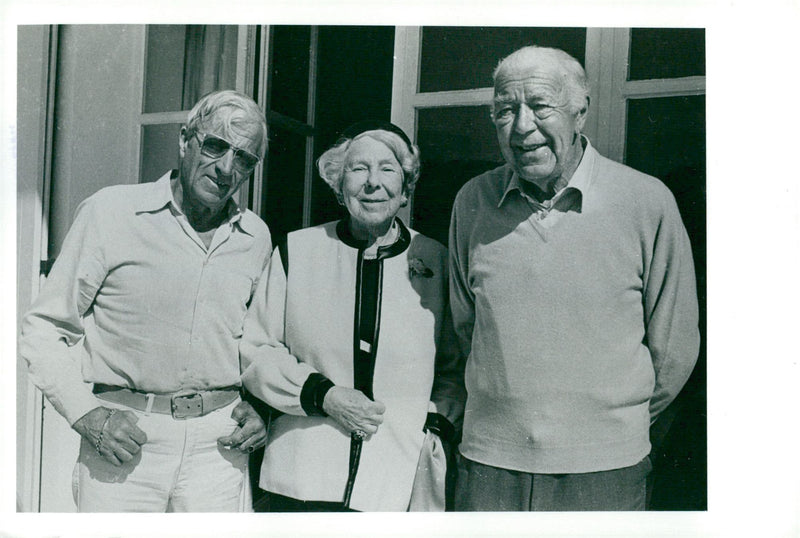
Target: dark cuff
{"x":438,"y":424}
{"x":313,"y":393}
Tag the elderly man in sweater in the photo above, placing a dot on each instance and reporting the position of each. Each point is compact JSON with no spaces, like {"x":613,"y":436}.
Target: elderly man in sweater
{"x":573,"y":294}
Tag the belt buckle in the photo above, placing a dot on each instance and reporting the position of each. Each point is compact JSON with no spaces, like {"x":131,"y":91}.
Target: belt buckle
{"x":186,"y":406}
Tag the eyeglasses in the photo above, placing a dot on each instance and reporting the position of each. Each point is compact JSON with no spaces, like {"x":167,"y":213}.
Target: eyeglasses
{"x":216,"y":147}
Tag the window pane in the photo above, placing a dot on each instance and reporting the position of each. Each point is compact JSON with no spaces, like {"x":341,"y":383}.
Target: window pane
{"x":166,"y":48}
{"x":283,"y":195}
{"x":666,"y":137}
{"x":159,"y":150}
{"x":289,"y":82}
{"x":354,"y":82}
{"x":457,"y":58}
{"x":184,"y":62}
{"x":456,"y":143}
{"x":667,"y":53}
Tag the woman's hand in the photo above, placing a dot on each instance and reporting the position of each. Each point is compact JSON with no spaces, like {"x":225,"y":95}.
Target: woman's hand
{"x":353,"y":410}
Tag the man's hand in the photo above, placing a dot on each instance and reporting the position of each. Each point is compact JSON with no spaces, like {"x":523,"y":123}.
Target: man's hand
{"x":120,"y":437}
{"x":353,"y":410}
{"x":250,"y":434}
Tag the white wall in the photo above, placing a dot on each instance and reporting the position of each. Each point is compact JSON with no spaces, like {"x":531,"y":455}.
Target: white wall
{"x":98,"y":100}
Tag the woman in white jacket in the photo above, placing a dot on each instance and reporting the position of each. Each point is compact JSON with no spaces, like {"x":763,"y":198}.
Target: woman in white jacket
{"x":349,"y":336}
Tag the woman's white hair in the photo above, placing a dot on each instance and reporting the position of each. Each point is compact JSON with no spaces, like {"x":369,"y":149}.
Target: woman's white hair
{"x":331,"y":163}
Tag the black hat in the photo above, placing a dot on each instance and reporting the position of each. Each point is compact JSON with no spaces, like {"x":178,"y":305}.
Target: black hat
{"x":373,"y":125}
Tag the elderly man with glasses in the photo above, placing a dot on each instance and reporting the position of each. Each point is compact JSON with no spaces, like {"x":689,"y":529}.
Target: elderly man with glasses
{"x":149,"y":294}
{"x":573,"y":295}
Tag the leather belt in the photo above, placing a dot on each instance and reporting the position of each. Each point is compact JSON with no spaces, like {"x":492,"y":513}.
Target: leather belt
{"x":180,"y":405}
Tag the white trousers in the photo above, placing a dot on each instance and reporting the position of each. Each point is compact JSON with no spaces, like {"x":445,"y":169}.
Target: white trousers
{"x":181,"y":468}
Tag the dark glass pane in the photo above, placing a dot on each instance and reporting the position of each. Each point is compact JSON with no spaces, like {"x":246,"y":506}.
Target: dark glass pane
{"x":289,"y":74}
{"x":666,"y":138}
{"x":667,"y":53}
{"x":283,"y":193}
{"x":354,"y":83}
{"x":166,"y":48}
{"x":159,"y":150}
{"x":458,"y":58}
{"x":456,"y":143}
{"x":186,"y":62}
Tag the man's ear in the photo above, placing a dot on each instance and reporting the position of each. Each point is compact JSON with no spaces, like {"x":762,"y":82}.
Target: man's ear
{"x":182,"y":142}
{"x":580,"y":118}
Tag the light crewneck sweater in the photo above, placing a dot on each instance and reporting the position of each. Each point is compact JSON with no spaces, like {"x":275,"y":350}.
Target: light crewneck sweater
{"x":580,"y":321}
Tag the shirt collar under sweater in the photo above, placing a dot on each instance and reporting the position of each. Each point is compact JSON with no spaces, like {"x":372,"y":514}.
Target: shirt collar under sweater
{"x":580,"y":181}
{"x":161,"y":196}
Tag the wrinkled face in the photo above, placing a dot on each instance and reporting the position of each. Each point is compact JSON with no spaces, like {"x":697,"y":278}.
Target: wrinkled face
{"x":210,"y":181}
{"x":539,"y":135}
{"x":372,"y":183}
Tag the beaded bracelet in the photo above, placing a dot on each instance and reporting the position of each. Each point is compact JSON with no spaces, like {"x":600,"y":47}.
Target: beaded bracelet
{"x":103,"y":427}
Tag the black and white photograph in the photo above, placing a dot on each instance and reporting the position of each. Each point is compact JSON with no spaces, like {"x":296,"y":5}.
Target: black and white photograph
{"x":489,"y":273}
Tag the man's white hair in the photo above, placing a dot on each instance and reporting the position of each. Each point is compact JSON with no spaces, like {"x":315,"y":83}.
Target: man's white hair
{"x":213,"y":103}
{"x":575,"y":82}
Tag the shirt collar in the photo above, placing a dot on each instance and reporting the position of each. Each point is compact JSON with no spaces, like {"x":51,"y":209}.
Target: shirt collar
{"x":580,"y":181}
{"x":161,"y":196}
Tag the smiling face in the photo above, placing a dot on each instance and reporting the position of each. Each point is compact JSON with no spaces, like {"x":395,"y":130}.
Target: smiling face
{"x":537,"y":128}
{"x":372,"y":186}
{"x":209,"y":182}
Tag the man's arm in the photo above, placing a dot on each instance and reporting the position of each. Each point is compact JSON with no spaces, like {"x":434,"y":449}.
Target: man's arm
{"x":54,"y":324}
{"x":462,"y":304}
{"x":670,"y":308}
{"x":448,"y":395}
{"x":53,"y":327}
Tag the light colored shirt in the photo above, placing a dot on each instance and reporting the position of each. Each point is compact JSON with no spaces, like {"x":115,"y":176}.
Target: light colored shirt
{"x":152,"y":308}
{"x":549,"y":212}
{"x":580,"y":326}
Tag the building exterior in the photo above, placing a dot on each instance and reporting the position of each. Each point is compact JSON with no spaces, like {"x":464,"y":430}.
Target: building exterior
{"x":103,"y":104}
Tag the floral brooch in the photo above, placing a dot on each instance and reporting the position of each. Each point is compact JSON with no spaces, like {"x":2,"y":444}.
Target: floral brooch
{"x":416,"y":267}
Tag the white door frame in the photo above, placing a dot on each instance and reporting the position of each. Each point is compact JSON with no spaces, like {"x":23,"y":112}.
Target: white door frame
{"x":29,"y":463}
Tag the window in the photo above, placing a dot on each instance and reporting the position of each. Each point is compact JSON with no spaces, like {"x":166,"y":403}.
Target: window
{"x":182,"y":63}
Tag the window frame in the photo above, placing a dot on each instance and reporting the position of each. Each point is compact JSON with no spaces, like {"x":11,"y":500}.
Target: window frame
{"x":607,"y":57}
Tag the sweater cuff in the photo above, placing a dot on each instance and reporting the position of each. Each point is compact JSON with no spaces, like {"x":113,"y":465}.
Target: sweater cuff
{"x":313,"y":393}
{"x":438,"y":424}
